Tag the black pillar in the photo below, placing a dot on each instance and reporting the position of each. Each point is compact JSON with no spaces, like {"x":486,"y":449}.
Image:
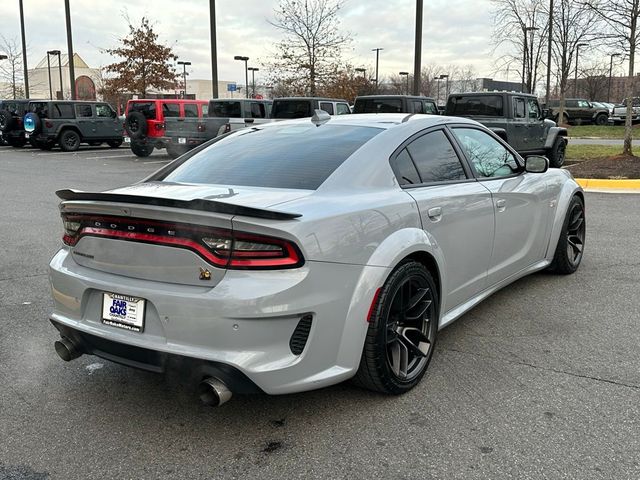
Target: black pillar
{"x":72,"y":70}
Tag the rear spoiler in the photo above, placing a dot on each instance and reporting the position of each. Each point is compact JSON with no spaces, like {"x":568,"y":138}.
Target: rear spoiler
{"x":196,"y":204}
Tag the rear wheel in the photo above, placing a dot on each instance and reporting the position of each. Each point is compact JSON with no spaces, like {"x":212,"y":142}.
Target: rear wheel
{"x":44,"y":145}
{"x":94,"y":144}
{"x":174,"y":151}
{"x":16,"y":142}
{"x":570,"y":246}
{"x":69,"y":141}
{"x":402,"y":333}
{"x":114,"y":143}
{"x":601,"y":119}
{"x":557,"y":153}
{"x":141,"y":150}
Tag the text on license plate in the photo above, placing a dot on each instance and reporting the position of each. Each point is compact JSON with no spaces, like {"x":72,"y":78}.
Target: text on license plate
{"x":127,"y":140}
{"x":182,"y":140}
{"x":123,"y":311}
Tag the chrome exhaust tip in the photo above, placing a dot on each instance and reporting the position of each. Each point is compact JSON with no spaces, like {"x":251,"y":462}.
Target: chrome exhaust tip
{"x":66,"y":349}
{"x":213,"y":392}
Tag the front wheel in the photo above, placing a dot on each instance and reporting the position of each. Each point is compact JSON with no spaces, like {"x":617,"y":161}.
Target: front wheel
{"x":557,"y":153}
{"x":601,"y":119}
{"x":114,"y":143}
{"x":570,"y":246}
{"x":402,"y":331}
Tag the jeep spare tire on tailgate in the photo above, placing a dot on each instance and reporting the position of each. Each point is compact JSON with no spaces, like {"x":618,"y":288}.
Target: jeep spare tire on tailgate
{"x":136,"y":125}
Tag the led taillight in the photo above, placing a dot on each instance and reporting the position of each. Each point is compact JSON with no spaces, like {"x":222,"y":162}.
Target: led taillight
{"x":159,"y":126}
{"x":220,"y":247}
{"x":202,"y":127}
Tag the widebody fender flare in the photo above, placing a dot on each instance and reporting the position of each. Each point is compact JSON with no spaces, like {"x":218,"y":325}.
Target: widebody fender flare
{"x":569,"y":189}
{"x":555,"y":132}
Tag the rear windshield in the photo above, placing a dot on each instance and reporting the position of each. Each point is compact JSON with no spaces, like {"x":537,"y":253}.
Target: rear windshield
{"x":485,"y":105}
{"x":291,"y":109}
{"x":148,"y":109}
{"x":378,"y":105}
{"x":288,"y":156}
{"x":225,"y":109}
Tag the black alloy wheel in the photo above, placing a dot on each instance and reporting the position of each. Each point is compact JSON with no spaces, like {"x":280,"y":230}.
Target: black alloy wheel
{"x":69,"y":141}
{"x":570,"y":248}
{"x":558,"y":153}
{"x":402,"y":333}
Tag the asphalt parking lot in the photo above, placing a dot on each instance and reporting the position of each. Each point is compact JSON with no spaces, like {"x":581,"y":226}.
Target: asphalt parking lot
{"x":542,"y":380}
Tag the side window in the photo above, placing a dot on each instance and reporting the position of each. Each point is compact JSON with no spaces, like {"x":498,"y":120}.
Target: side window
{"x":430,"y":107}
{"x":583,"y":104}
{"x":83,"y":110}
{"x":257,"y":110}
{"x":518,"y":108}
{"x":488,"y":157}
{"x":571,"y":104}
{"x":534,"y":109}
{"x":435,"y":158}
{"x":190,"y":110}
{"x":170,"y":110}
{"x":417,"y":106}
{"x":104,"y":111}
{"x":39,"y":108}
{"x":342,"y":109}
{"x":404,"y":169}
{"x":205,"y":110}
{"x":327,"y":107}
{"x":64,"y":110}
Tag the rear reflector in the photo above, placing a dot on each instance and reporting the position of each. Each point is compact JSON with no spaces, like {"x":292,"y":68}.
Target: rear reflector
{"x":374,"y":303}
{"x":220,"y":247}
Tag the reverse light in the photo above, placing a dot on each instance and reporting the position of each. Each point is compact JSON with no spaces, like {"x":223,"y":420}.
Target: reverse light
{"x":223,"y":248}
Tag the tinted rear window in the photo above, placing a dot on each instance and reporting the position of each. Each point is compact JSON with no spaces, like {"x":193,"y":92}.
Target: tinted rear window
{"x":148,"y":109}
{"x":378,"y":105}
{"x":291,"y":109}
{"x":225,"y":109}
{"x":291,"y":156}
{"x":485,"y":105}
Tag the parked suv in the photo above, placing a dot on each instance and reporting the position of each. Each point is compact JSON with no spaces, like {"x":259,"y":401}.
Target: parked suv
{"x":301,"y":107}
{"x":11,"y":128}
{"x":395,"y":104}
{"x":145,"y":121}
{"x":69,"y":123}
{"x":516,"y":118}
{"x":578,"y":111}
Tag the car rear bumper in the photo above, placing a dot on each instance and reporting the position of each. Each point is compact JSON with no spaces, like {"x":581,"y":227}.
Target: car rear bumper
{"x":246,"y":322}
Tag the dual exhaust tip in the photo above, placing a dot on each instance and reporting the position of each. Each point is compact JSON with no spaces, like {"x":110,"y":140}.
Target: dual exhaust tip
{"x":212,"y":392}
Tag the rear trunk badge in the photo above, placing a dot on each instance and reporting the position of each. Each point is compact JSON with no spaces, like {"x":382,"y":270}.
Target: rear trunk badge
{"x":205,"y":274}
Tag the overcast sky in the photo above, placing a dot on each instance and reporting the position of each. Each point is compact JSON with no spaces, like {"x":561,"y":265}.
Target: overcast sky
{"x":454,"y":32}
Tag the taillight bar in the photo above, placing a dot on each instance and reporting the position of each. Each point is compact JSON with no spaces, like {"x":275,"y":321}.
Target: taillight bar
{"x":220,"y":247}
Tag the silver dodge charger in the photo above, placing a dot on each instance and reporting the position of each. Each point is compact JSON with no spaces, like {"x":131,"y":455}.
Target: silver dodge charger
{"x":295,"y":255}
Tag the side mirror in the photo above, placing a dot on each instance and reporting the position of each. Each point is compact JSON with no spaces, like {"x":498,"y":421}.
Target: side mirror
{"x":536,"y":164}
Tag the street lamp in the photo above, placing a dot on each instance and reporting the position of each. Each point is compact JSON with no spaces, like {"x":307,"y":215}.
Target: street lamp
{"x":362,"y":71}
{"x":3,"y":57}
{"x":446,"y":85}
{"x":184,"y":76}
{"x":610,"y":71}
{"x":575,"y":85}
{"x":406,"y":75}
{"x":56,"y":52}
{"x":377,"y":50}
{"x":253,"y":80}
{"x":246,"y":73}
{"x":526,"y":53}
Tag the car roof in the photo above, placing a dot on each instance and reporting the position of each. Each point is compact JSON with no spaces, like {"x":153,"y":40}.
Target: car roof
{"x":367,"y":97}
{"x":167,"y":100}
{"x":484,"y":94}
{"x":384,"y":120}
{"x":322,"y":99}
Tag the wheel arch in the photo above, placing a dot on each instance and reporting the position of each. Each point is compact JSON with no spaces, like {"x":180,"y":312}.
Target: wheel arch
{"x":66,"y":127}
{"x":570,"y":190}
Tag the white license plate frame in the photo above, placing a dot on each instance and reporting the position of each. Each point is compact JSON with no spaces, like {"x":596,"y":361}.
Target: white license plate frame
{"x":127,"y":139}
{"x":123,"y":311}
{"x":182,"y":141}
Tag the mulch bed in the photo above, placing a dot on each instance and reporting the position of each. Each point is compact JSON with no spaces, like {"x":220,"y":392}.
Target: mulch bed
{"x":616,"y":167}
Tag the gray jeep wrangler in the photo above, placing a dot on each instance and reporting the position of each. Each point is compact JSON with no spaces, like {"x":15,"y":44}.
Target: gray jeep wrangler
{"x":516,"y":118}
{"x":70,"y":123}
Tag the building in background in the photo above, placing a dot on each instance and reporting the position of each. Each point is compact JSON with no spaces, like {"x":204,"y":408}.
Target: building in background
{"x":87,"y":79}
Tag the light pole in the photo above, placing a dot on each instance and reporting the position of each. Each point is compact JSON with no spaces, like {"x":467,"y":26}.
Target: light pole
{"x":253,"y":80}
{"x":49,"y":73}
{"x":437,"y":79}
{"x":417,"y":65}
{"x":56,"y":52}
{"x":184,"y":76}
{"x":24,"y":53}
{"x":531,"y":80}
{"x":377,"y":50}
{"x":214,"y":49}
{"x":246,"y":73}
{"x":446,"y":86}
{"x":72,"y":68}
{"x":362,"y":71}
{"x":575,"y":85}
{"x":406,"y":75}
{"x":549,"y":52}
{"x":610,"y":72}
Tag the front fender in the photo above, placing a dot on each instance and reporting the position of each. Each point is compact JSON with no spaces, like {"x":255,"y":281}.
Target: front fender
{"x":554,"y":132}
{"x":568,"y":189}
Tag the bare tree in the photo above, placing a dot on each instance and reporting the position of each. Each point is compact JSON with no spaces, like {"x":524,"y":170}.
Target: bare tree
{"x":11,"y":68}
{"x":594,"y":81}
{"x":312,"y":45}
{"x":621,"y":18}
{"x":522,"y":26}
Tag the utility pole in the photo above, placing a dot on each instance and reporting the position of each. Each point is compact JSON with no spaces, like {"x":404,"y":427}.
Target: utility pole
{"x":549,"y":52}
{"x":184,"y":76}
{"x":610,"y":72}
{"x":214,"y":49}
{"x":575,"y":85}
{"x":417,"y":66}
{"x":253,"y":80}
{"x":377,"y":50}
{"x":72,"y":70}
{"x":24,"y":53}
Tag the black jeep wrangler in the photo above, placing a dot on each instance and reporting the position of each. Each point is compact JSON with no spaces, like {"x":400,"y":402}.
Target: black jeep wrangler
{"x":69,"y":123}
{"x":11,"y":128}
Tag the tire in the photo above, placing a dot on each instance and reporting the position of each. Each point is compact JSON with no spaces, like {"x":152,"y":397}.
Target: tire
{"x":174,"y":151}
{"x":17,"y":142}
{"x":114,"y":143}
{"x":393,"y":335}
{"x":136,"y":125}
{"x":46,"y":145}
{"x":95,"y":144}
{"x":570,"y":248}
{"x":6,"y":121}
{"x":141,"y":150}
{"x":32,"y":123}
{"x":557,"y":153}
{"x":69,"y":141}
{"x":601,"y":119}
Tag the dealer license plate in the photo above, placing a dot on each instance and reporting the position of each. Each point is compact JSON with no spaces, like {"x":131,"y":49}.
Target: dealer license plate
{"x":123,"y":311}
{"x":127,"y":140}
{"x":182,"y":140}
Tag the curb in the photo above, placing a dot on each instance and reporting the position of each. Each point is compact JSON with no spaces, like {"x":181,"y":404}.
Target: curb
{"x":605,"y":185}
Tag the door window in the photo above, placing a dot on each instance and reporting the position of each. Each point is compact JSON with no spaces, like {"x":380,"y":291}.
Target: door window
{"x":191,"y":110}
{"x":327,"y":107}
{"x":405,"y":169}
{"x":417,"y":107}
{"x":83,"y":111}
{"x":435,"y":158}
{"x":583,"y":104}
{"x":63,"y":110}
{"x":205,"y":110}
{"x":534,"y":109}
{"x":104,"y":111}
{"x":489,"y":158}
{"x":518,"y":108}
{"x":257,"y":110}
{"x":342,"y":109}
{"x":170,"y":110}
{"x":430,"y":107}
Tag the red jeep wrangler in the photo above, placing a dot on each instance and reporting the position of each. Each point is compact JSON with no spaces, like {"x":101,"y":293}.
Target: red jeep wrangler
{"x":144,"y":121}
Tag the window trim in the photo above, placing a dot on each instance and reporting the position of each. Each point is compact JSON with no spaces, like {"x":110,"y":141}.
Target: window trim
{"x":456,"y":148}
{"x":516,"y":155}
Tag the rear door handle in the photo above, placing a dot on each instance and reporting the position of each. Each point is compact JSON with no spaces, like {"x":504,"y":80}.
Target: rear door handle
{"x":501,"y":204}
{"x":435,"y":214}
